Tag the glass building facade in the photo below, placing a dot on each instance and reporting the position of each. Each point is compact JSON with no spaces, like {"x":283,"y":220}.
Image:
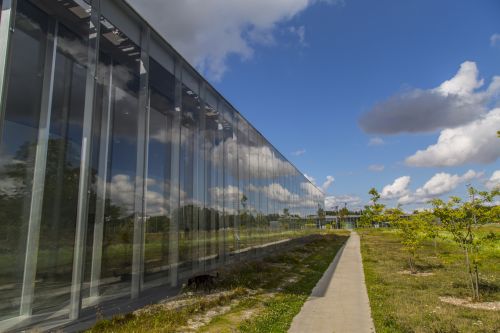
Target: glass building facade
{"x":121,"y":168}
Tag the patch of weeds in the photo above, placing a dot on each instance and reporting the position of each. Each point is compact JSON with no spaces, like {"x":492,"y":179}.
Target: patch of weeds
{"x":280,"y":310}
{"x":402,"y":303}
{"x":263,"y":294}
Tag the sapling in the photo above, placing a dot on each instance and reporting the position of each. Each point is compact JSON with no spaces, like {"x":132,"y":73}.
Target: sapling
{"x":462,"y":220}
{"x":412,"y":230}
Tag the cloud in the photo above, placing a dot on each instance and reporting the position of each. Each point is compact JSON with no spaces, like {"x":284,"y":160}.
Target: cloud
{"x":311,"y":187}
{"x":397,"y":189}
{"x":494,"y":180}
{"x":453,"y":103}
{"x":299,"y":152}
{"x":495,"y":39}
{"x":268,"y":162}
{"x":439,"y":184}
{"x":206,"y":33}
{"x":353,"y":202}
{"x":377,"y":141}
{"x":310,"y":178}
{"x":328,"y":182}
{"x":300,"y":32}
{"x":376,"y":167}
{"x":472,"y":143}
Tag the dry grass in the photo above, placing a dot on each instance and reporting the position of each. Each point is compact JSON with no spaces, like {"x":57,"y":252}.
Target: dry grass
{"x":253,"y":296}
{"x":411,"y":303}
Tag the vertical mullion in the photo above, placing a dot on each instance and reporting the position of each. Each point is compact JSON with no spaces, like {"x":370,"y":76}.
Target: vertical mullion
{"x":101,"y":191}
{"x":220,"y":185}
{"x":202,"y":182}
{"x":173,"y":252}
{"x":141,"y":170}
{"x":6,"y":23}
{"x":35,"y":214}
{"x":83,"y":187}
{"x":236,"y":202}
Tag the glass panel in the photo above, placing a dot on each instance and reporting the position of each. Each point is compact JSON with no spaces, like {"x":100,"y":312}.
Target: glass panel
{"x":17,"y":152}
{"x":58,"y":223}
{"x":230,"y":189}
{"x":253,"y":186}
{"x":111,"y":211}
{"x":162,"y":92}
{"x":243,"y":238}
{"x":189,"y":159}
{"x":212,"y":145}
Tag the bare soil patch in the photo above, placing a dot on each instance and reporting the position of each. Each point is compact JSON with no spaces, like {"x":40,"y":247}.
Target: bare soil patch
{"x":491,"y":306}
{"x":407,"y":272}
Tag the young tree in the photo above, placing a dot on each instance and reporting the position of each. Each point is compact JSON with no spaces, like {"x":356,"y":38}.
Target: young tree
{"x":462,"y":220}
{"x":372,"y":213}
{"x":432,"y":229}
{"x":365,"y":220}
{"x":413,"y":231}
{"x":393,"y":215}
{"x":343,"y":212}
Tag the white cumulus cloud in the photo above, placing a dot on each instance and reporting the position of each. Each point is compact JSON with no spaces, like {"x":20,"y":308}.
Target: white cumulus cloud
{"x":310,"y":178}
{"x":494,"y":180}
{"x":206,"y":33}
{"x":328,"y":182}
{"x":472,"y":143}
{"x":439,"y":184}
{"x":453,"y":103}
{"x":333,"y":202}
{"x":397,"y":189}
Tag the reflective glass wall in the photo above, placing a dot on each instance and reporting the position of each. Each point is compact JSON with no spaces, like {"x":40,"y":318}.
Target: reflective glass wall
{"x":121,"y":169}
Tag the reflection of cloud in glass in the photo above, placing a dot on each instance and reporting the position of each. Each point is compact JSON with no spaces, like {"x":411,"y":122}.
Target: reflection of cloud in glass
{"x":121,"y":190}
{"x":259,"y":160}
{"x":10,"y":186}
{"x":277,"y":192}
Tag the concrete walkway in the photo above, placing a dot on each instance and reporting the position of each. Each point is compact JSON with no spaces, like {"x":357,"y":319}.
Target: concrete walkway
{"x":339,"y":302}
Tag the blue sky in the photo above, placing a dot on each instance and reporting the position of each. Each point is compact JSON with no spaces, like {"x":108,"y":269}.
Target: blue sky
{"x":353,"y":89}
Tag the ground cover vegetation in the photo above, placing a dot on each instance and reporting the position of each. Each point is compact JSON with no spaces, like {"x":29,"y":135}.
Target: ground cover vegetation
{"x":251,"y":296}
{"x":434,"y":270}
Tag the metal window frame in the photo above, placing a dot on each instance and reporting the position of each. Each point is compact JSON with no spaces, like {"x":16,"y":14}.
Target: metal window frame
{"x":173,"y":252}
{"x":83,"y":188}
{"x":36,"y":203}
{"x":7,"y":21}
{"x":141,"y":169}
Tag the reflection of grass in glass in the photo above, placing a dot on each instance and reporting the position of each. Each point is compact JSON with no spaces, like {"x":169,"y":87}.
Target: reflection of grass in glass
{"x":119,"y":252}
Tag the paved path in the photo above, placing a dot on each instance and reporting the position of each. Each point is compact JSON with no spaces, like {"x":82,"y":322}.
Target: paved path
{"x":339,"y":301}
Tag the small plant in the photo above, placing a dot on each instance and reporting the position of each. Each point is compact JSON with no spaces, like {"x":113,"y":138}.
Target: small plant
{"x":462,"y":220}
{"x":413,"y":231}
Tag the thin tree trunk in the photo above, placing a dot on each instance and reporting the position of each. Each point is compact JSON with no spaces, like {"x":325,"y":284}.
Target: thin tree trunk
{"x":412,"y":266}
{"x":476,"y":271}
{"x":475,"y":274}
{"x":469,"y":271}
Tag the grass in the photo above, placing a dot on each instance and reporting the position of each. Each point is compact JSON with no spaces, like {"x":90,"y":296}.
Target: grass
{"x":408,"y":303}
{"x":253,"y":296}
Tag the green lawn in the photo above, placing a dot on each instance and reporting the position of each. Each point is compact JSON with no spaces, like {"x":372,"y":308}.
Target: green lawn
{"x":253,"y":296}
{"x":408,"y":303}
